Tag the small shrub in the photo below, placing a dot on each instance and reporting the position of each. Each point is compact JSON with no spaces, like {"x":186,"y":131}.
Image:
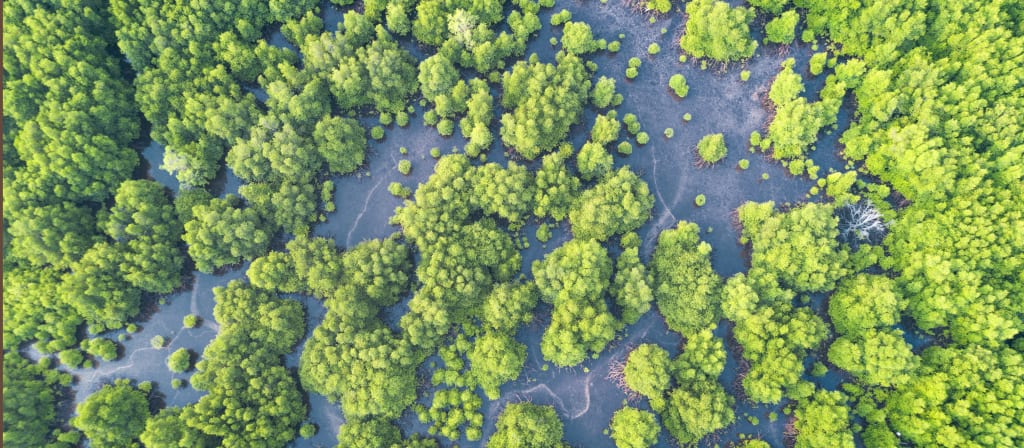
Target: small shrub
{"x":430,"y":117}
{"x":745,"y":75}
{"x":385,"y":119}
{"x":307,"y":431}
{"x":177,"y":383}
{"x":561,"y":17}
{"x":755,"y":138}
{"x":700,"y":200}
{"x":404,"y":167}
{"x":190,"y":321}
{"x":678,"y":85}
{"x":669,"y":132}
{"x":744,"y":164}
{"x":71,"y":357}
{"x":687,"y":117}
{"x":157,"y":341}
{"x":631,"y":72}
{"x":179,"y":361}
{"x":614,"y":46}
{"x":653,"y":49}
{"x":446,"y":127}
{"x":399,"y":191}
{"x":632,"y":123}
{"x":817,"y":63}
{"x":435,"y":152}
{"x":635,"y":62}
{"x":543,"y":233}
{"x":711,"y":148}
{"x":642,"y":138}
{"x":625,"y":148}
{"x":377,"y":133}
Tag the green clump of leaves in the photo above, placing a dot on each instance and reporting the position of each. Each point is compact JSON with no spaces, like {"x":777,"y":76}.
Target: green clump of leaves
{"x":642,"y":138}
{"x":404,"y":167}
{"x":661,"y":6}
{"x":402,"y":119}
{"x":634,"y":428}
{"x":399,"y":191}
{"x":711,"y":149}
{"x":377,"y":133}
{"x":179,"y":361}
{"x":718,"y":31}
{"x":782,"y":29}
{"x":543,"y":233}
{"x":817,"y":63}
{"x":678,"y":85}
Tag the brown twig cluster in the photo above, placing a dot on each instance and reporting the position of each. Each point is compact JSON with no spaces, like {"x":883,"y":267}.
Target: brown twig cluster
{"x":790,"y":432}
{"x":640,"y":7}
{"x":617,"y":375}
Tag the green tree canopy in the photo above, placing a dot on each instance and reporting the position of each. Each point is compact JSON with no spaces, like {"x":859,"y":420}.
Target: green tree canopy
{"x":223,"y":232}
{"x":527,"y":425}
{"x":633,"y":428}
{"x":544,"y":100}
{"x":685,"y":285}
{"x":718,"y":31}
{"x":619,"y":203}
{"x":574,"y":278}
{"x":113,"y":416}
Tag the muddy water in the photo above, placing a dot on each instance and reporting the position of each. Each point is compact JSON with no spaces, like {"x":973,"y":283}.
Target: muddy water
{"x":583,"y":396}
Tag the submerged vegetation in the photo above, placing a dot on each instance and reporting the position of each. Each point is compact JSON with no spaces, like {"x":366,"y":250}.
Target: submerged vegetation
{"x":884,"y":309}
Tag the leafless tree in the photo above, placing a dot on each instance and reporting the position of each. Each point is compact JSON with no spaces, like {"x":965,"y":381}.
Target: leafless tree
{"x":860,"y":222}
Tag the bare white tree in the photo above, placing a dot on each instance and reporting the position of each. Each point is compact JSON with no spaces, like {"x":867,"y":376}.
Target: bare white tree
{"x":860,"y":221}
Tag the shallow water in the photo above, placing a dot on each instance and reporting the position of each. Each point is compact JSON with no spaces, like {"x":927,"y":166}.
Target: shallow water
{"x":583,"y":396}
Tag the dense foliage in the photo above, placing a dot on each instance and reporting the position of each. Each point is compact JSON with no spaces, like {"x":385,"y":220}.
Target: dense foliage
{"x":574,"y":278}
{"x":685,"y":285}
{"x":718,"y":31}
{"x":31,"y":395}
{"x":114,"y":416}
{"x":527,"y":425}
{"x":902,"y":279}
{"x":543,"y":100}
{"x":685,"y":391}
{"x":633,"y":428}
